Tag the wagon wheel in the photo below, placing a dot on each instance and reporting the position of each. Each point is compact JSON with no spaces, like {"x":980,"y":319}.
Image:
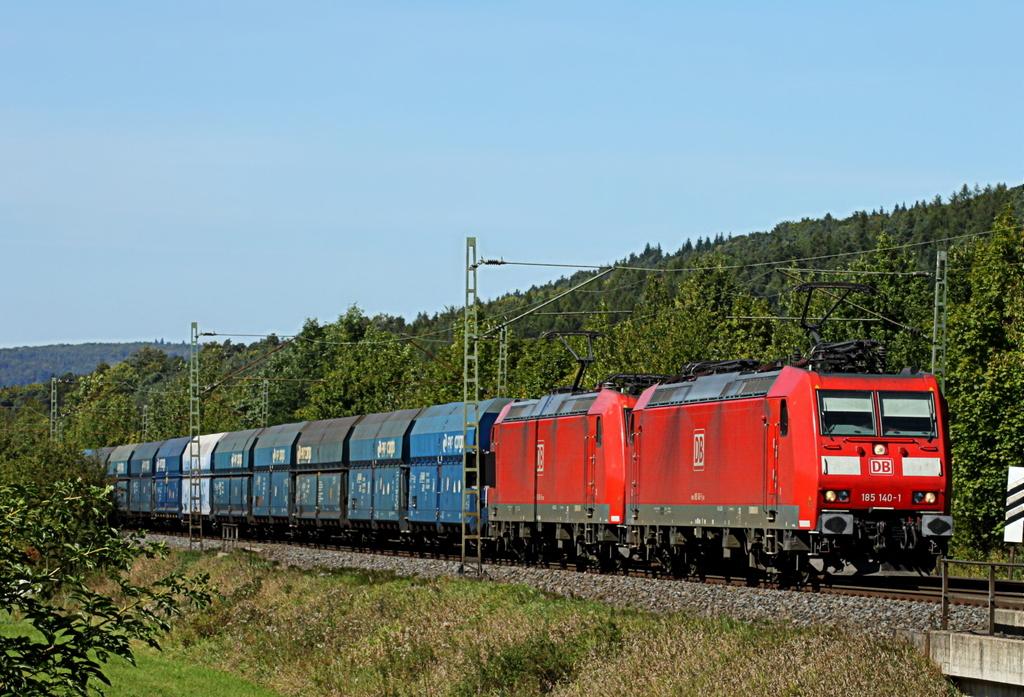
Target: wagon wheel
{"x":679,"y":568}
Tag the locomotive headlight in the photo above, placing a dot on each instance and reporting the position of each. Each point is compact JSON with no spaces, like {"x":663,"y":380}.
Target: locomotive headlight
{"x":930,"y":497}
{"x":843,"y":495}
{"x":830,"y":496}
{"x":879,"y":449}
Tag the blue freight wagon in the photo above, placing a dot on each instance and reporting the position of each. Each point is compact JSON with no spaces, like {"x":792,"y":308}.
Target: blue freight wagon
{"x":100,"y":456}
{"x":167,"y":478}
{"x":321,"y":474}
{"x":117,"y":467}
{"x":273,"y":461}
{"x":232,"y":476}
{"x":196,"y":496}
{"x":436,"y":448}
{"x":378,"y":485}
{"x":140,"y":473}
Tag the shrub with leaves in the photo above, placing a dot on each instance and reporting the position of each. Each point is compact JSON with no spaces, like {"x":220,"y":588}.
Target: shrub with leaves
{"x":56,"y":547}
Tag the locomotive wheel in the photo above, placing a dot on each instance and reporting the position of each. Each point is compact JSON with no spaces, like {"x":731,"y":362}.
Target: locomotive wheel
{"x":811,"y":578}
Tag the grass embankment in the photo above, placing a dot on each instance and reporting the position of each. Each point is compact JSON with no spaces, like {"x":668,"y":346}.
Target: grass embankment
{"x":365,"y":633}
{"x":156,"y":675}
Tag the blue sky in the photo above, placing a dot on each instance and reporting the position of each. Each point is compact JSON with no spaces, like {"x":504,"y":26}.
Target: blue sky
{"x":247,"y":165}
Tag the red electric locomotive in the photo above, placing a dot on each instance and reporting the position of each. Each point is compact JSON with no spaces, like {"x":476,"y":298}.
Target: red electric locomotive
{"x":790,"y":473}
{"x":559,"y":465}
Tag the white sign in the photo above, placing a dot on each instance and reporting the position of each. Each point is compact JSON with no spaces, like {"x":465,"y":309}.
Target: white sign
{"x":1014,"y":506}
{"x":881,"y":467}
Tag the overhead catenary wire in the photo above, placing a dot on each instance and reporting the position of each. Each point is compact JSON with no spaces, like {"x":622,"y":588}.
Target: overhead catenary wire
{"x":587,"y":312}
{"x":508,"y":322}
{"x":797,"y":319}
{"x":922,"y":274}
{"x":248,"y":365}
{"x":502,"y":262}
{"x":232,"y":409}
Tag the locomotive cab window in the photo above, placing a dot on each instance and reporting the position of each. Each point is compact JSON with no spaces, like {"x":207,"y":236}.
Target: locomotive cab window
{"x":783,"y":419}
{"x":597,"y":431}
{"x":908,"y":414}
{"x":846,"y":413}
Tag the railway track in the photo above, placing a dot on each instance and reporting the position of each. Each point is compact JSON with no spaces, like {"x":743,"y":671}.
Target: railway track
{"x":962,"y":590}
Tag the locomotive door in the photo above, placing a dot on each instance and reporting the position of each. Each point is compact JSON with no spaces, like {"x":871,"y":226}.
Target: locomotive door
{"x":593,"y":442}
{"x":539,"y":464}
{"x":774,"y":409}
{"x":634,"y":432}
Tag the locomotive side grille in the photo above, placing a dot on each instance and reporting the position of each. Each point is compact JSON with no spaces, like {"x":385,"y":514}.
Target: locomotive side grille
{"x":519,"y":410}
{"x":757,"y":385}
{"x":704,"y":390}
{"x":576,"y":406}
{"x":670,"y":395}
{"x":529,"y":410}
{"x":663,"y":395}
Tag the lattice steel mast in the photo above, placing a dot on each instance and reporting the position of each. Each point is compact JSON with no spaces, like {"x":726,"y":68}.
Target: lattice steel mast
{"x":939,"y":322}
{"x":195,"y":496}
{"x":502,"y":362}
{"x":53,"y":408}
{"x":265,"y":415}
{"x":472,"y":530}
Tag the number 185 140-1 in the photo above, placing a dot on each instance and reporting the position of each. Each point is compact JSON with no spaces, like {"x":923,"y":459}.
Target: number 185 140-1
{"x":881,"y":498}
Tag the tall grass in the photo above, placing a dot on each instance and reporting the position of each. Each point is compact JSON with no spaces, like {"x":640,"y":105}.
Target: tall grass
{"x":362,"y":633}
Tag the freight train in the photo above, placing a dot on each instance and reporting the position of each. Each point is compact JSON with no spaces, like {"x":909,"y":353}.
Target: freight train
{"x":790,"y":472}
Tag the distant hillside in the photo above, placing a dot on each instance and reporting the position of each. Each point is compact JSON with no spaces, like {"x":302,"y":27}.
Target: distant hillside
{"x":28,"y":364}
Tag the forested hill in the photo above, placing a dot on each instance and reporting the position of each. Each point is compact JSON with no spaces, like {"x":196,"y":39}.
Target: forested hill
{"x":813,"y":243}
{"x":29,"y":364}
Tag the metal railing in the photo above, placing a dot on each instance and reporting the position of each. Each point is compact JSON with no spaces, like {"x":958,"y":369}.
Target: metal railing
{"x":229,"y":535}
{"x":992,"y":566}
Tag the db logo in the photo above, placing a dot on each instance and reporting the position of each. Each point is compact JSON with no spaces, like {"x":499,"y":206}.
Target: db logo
{"x":883,"y":466}
{"x":698,"y":449}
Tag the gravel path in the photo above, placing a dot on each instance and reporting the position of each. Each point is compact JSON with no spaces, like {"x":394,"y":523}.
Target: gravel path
{"x":871,"y":615}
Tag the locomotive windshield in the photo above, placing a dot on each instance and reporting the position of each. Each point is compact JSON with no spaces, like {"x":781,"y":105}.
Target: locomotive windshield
{"x":846,"y":413}
{"x":907,"y":414}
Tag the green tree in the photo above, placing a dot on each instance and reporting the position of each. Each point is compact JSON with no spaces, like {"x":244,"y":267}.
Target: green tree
{"x":367,"y":370}
{"x":55,"y":546}
{"x":985,"y":387}
{"x":102,"y":410}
